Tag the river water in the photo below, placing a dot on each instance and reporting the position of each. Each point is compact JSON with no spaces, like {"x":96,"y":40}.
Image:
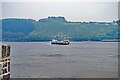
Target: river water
{"x":77,"y":60}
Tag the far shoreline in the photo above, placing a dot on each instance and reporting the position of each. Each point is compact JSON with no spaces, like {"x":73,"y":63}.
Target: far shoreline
{"x":70,"y":41}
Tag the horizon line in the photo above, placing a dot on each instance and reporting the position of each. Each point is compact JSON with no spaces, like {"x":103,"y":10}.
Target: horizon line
{"x":59,"y":16}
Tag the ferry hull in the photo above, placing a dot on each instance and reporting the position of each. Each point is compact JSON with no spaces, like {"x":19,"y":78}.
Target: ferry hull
{"x":67,"y":43}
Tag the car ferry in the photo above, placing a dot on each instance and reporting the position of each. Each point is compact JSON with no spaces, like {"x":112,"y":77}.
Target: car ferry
{"x":64,"y":40}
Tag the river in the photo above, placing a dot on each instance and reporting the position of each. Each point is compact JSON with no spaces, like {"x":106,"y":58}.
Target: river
{"x":77,"y":60}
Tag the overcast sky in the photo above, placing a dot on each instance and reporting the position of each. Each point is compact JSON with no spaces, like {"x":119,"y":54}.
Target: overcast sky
{"x":72,"y":11}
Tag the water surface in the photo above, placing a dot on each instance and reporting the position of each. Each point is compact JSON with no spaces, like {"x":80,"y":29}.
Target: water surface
{"x":78,"y":60}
